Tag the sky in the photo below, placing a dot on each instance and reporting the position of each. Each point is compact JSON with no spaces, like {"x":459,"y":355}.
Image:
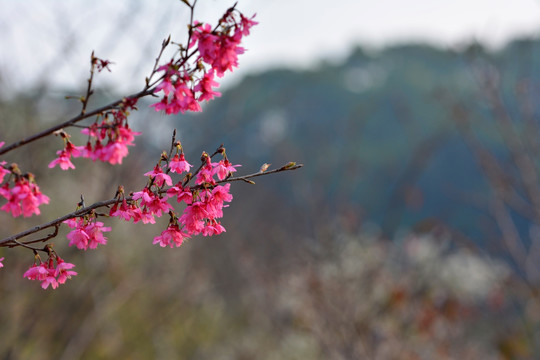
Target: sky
{"x":50,"y":41}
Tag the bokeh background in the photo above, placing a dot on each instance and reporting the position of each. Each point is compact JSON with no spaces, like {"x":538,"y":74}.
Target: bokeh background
{"x":411,"y":232}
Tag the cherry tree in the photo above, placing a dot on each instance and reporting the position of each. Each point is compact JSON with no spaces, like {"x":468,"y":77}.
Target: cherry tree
{"x":192,"y":196}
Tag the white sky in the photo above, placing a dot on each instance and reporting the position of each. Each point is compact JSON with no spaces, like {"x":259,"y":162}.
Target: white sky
{"x":51,"y":40}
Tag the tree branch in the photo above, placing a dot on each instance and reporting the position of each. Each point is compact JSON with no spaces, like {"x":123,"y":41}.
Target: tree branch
{"x":12,"y":241}
{"x":72,"y":121}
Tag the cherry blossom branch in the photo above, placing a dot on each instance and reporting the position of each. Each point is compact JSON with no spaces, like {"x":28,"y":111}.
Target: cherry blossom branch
{"x":149,"y":88}
{"x":145,"y":92}
{"x":187,"y":80}
{"x":85,"y":210}
{"x":12,"y":241}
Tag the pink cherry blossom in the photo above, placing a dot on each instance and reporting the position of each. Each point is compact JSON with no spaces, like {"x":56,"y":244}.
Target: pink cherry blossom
{"x":74,"y":222}
{"x":220,"y":49}
{"x":166,"y":85}
{"x":79,"y":238}
{"x":118,"y":135}
{"x":132,"y":211}
{"x":178,"y":164}
{"x":64,"y":156}
{"x":114,"y":152}
{"x":86,"y":234}
{"x":63,"y":272}
{"x":48,"y":274}
{"x":206,"y":40}
{"x":163,"y":105}
{"x":95,"y":232}
{"x":13,"y":206}
{"x":123,"y":211}
{"x":246,"y":24}
{"x":193,"y":218}
{"x":145,"y":195}
{"x":159,"y":176}
{"x":63,"y":160}
{"x":24,"y":198}
{"x":72,"y":150}
{"x":221,"y":193}
{"x":37,"y":272}
{"x":223,"y":169}
{"x":154,"y":204}
{"x":145,"y":216}
{"x":182,"y":98}
{"x":127,"y":135}
{"x":205,"y":87}
{"x":1,"y":259}
{"x":181,"y":193}
{"x":94,"y":131}
{"x":49,"y":280}
{"x":172,"y":236}
{"x":158,"y":205}
{"x":213,"y":227}
{"x":214,"y":201}
{"x":205,"y":175}
{"x":3,"y":171}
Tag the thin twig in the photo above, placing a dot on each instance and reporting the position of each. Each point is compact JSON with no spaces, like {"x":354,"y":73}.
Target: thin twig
{"x":246,"y":177}
{"x":89,"y":90}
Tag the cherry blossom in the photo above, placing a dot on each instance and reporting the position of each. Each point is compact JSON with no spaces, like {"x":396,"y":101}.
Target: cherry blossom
{"x":37,"y":272}
{"x":223,"y":169}
{"x":3,"y":171}
{"x":182,"y":194}
{"x":63,"y":272}
{"x":87,"y":233}
{"x":206,"y":175}
{"x":124,"y":212}
{"x":95,"y":232}
{"x":178,"y":164}
{"x":182,"y":98}
{"x":159,"y":176}
{"x":213,"y":227}
{"x":118,"y":137}
{"x":205,"y":87}
{"x":48,"y":274}
{"x":220,"y":49}
{"x":24,"y":198}
{"x":63,"y":160}
{"x":172,"y":236}
{"x":187,"y":80}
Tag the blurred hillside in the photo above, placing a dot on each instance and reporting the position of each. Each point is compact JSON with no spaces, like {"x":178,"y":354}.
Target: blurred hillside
{"x":391,"y":143}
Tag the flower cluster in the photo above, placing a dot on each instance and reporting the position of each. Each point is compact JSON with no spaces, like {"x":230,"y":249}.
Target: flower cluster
{"x":204,"y":202}
{"x":184,"y":87}
{"x":220,"y":48}
{"x":22,"y":193}
{"x":223,"y":169}
{"x":108,"y":139}
{"x":48,"y":273}
{"x":178,"y":94}
{"x":87,"y":232}
{"x":186,"y":81}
